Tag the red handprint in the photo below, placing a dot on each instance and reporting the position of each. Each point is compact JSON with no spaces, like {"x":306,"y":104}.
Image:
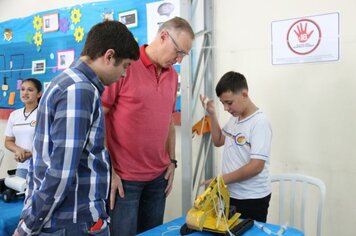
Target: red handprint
{"x":302,"y":34}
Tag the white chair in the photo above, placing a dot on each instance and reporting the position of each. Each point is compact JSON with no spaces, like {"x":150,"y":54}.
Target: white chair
{"x":299,"y":195}
{"x":2,"y":154}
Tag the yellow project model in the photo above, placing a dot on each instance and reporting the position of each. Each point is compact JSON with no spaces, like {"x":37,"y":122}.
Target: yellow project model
{"x":211,"y":212}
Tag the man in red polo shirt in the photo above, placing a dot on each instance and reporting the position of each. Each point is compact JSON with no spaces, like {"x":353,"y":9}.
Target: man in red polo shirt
{"x":141,"y":132}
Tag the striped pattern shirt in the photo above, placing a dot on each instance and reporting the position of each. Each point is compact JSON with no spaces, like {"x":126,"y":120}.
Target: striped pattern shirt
{"x":69,"y":174}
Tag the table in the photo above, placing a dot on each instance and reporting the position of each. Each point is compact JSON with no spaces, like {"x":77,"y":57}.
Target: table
{"x":9,"y":215}
{"x":172,"y":228}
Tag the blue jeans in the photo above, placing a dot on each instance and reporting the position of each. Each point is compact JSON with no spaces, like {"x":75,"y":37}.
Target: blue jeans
{"x":79,"y":229}
{"x":21,"y":173}
{"x":141,"y":209}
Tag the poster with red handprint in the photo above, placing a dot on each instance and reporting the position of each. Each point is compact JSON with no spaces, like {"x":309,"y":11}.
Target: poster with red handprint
{"x":307,"y":39}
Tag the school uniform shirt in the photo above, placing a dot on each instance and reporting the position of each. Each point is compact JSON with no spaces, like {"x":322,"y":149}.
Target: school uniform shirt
{"x":247,"y":139}
{"x":22,"y":130}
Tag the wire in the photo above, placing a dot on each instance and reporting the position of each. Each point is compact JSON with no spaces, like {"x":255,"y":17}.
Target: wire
{"x":12,"y":62}
{"x":264,"y":228}
{"x":171,"y":229}
{"x":223,"y":212}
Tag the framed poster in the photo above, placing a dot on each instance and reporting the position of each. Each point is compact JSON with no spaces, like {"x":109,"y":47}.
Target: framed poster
{"x":306,"y":39}
{"x":128,"y":18}
{"x":50,"y":22}
{"x":64,"y":59}
{"x":38,"y":67}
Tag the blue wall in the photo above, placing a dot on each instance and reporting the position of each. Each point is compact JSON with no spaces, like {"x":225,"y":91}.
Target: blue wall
{"x":21,"y":50}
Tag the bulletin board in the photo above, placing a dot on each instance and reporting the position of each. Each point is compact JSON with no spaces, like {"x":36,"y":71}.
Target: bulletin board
{"x":44,"y":44}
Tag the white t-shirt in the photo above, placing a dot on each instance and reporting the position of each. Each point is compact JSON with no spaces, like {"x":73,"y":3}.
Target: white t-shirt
{"x":23,"y":131}
{"x":248,"y":139}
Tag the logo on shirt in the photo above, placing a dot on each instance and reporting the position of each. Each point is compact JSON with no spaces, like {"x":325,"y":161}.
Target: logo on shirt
{"x":241,"y":140}
{"x":33,"y":123}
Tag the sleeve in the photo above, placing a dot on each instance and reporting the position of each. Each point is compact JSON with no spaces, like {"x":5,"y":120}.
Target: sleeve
{"x":261,"y":137}
{"x":68,"y":132}
{"x":10,"y":125}
{"x":176,"y":91}
{"x":109,"y":96}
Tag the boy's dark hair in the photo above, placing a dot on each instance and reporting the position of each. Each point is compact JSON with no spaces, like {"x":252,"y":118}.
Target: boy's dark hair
{"x":111,"y":35}
{"x":231,"y":81}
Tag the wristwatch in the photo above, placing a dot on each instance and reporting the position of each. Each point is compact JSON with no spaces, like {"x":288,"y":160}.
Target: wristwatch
{"x":174,"y":162}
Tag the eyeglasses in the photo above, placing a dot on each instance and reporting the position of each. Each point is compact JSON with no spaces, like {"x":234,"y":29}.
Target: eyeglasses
{"x":179,"y":51}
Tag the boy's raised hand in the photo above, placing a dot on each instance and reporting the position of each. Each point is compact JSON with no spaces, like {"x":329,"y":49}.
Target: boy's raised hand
{"x":208,"y":104}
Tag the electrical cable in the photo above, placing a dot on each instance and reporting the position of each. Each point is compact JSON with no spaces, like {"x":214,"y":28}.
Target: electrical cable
{"x":268,"y":231}
{"x":11,"y":64}
{"x":171,"y":229}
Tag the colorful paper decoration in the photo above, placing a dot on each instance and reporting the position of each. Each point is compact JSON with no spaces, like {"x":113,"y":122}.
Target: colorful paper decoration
{"x":37,"y":22}
{"x":64,"y":25}
{"x":29,"y":38}
{"x":38,"y":39}
{"x":75,"y":16}
{"x":79,"y":34}
{"x":7,"y":34}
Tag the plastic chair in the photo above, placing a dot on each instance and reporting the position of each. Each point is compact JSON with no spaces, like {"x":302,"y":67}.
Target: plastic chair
{"x":304,"y":194}
{"x":2,"y":154}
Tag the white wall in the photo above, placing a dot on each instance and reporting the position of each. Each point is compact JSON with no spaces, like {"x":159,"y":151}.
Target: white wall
{"x":311,"y":106}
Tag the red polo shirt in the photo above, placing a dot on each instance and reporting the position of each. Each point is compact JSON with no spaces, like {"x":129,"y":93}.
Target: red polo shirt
{"x":137,"y":125}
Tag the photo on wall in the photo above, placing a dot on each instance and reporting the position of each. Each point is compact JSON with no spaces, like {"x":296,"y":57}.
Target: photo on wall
{"x":50,"y":22}
{"x":128,"y":18}
{"x":38,"y":67}
{"x":64,"y":59}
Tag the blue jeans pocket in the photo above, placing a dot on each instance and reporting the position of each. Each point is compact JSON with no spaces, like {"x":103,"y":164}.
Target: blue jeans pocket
{"x":60,"y":232}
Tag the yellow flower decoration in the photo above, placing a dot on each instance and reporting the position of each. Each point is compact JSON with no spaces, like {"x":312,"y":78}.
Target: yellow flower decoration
{"x":79,"y":34}
{"x":37,"y":22}
{"x":76,"y":15}
{"x":38,"y":39}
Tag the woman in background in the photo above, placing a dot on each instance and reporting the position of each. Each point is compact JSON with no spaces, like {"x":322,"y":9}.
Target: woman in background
{"x":20,"y":127}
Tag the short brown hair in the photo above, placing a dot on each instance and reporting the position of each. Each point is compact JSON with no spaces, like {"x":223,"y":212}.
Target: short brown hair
{"x":177,"y":24}
{"x":111,"y":35}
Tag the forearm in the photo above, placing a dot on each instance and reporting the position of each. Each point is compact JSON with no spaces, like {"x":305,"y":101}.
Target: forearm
{"x":216,"y":133}
{"x":11,"y":146}
{"x":253,"y":168}
{"x":171,"y":141}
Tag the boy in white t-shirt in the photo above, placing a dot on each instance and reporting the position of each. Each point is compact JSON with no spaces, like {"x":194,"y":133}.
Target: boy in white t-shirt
{"x":247,"y":140}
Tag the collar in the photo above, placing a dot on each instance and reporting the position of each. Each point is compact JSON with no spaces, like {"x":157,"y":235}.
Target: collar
{"x":144,"y":57}
{"x":237,"y":120}
{"x":89,"y":74}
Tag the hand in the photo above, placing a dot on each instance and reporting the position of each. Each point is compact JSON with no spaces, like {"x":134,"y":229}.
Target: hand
{"x":205,"y":183}
{"x":20,"y":155}
{"x":208,"y":104}
{"x":16,"y":233}
{"x":116,"y":185}
{"x":169,"y":176}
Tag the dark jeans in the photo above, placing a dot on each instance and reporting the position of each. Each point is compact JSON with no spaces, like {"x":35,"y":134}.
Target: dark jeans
{"x":79,"y":229}
{"x":255,"y":209}
{"x":141,"y":209}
